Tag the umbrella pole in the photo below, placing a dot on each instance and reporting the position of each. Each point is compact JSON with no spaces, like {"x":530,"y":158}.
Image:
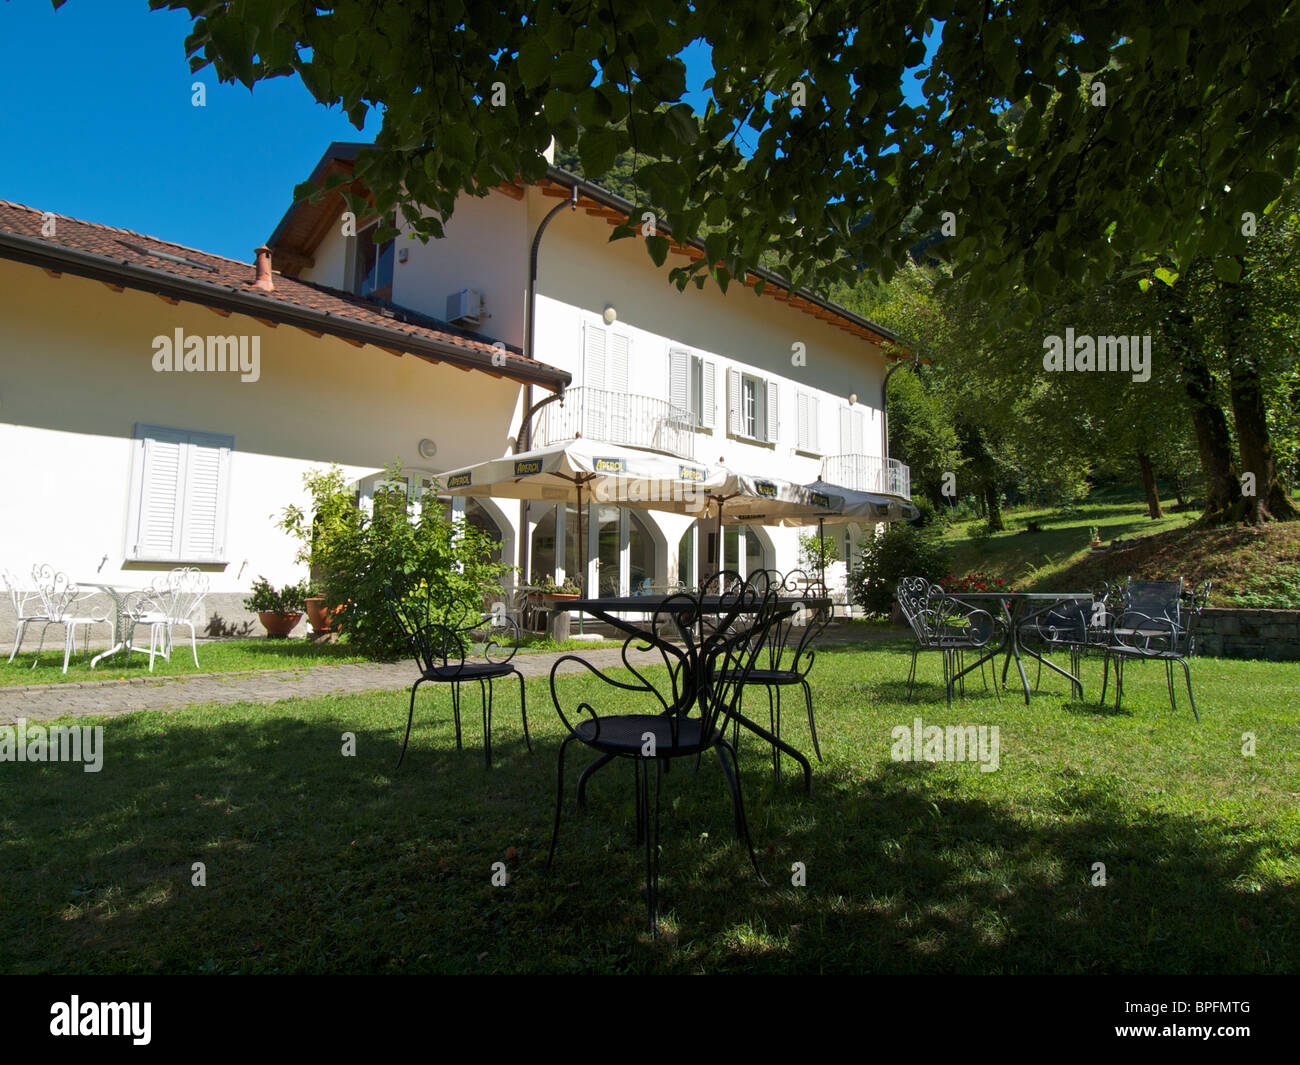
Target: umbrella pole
{"x":582,"y":557}
{"x":821,"y":549}
{"x":718,"y":559}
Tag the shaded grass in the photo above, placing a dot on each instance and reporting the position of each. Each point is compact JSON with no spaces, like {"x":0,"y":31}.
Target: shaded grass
{"x":320,"y":862}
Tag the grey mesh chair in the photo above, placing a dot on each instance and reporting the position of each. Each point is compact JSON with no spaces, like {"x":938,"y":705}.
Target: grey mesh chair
{"x":1155,"y":620}
{"x":940,"y":622}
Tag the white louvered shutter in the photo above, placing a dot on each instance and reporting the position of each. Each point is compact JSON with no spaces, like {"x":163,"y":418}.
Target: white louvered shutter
{"x":859,"y":432}
{"x":771,"y":412}
{"x":846,"y":431}
{"x":593,"y":382}
{"x":814,"y":420}
{"x":679,"y":381}
{"x":158,"y":531}
{"x":616,"y":383}
{"x":735,"y":404}
{"x":708,"y":400}
{"x":203,"y":529}
{"x":801,"y":412}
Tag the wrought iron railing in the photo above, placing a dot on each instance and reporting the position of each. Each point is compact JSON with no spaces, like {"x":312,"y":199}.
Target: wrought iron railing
{"x":868,"y":473}
{"x":618,"y":418}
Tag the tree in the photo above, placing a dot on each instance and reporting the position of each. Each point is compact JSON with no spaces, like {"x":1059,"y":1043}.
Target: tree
{"x":1130,"y":119}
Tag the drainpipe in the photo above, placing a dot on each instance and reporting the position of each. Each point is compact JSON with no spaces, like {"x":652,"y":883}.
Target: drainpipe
{"x":524,"y":439}
{"x":884,"y":407}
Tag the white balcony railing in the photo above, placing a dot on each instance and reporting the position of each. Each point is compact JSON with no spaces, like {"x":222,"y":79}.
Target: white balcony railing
{"x":618,"y":418}
{"x":868,"y":473}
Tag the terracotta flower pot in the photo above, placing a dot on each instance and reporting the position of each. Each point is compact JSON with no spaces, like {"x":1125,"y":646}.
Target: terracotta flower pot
{"x":321,"y":616}
{"x":278,"y":625}
{"x":561,"y":596}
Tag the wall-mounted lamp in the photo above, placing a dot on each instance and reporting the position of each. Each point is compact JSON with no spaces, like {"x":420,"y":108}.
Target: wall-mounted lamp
{"x":428,"y":448}
{"x":610,"y":314}
{"x":853,"y":398}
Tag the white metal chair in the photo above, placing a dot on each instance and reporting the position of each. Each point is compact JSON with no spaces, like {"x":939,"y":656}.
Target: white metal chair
{"x":176,"y":603}
{"x":59,"y":595}
{"x":27,"y":608}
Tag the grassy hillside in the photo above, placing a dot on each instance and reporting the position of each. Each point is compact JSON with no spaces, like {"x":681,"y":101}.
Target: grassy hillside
{"x":1249,"y":567}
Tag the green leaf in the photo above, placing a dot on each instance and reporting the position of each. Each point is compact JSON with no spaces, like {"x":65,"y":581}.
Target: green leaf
{"x":1227,"y":269}
{"x":681,"y":123}
{"x":534,"y":63}
{"x":658,"y":247}
{"x":597,"y":150}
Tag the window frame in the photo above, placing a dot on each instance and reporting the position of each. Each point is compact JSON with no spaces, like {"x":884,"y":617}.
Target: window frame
{"x":224,"y":445}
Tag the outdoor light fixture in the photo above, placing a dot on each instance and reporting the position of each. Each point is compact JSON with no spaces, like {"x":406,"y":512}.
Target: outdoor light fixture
{"x":853,"y":399}
{"x":610,"y":314}
{"x":428,"y":448}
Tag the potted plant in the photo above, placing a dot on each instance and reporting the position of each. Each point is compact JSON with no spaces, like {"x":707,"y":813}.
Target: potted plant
{"x":321,"y":617}
{"x":1096,"y":536}
{"x":548,"y":589}
{"x":279,"y":609}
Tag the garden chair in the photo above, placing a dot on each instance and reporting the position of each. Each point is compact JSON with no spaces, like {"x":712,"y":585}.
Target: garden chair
{"x":59,"y":596}
{"x":786,"y":653}
{"x":709,"y":650}
{"x":440,"y":635}
{"x":1155,"y":621}
{"x":175,"y":603}
{"x":942,"y":623}
{"x":27,"y":608}
{"x":1076,"y":626}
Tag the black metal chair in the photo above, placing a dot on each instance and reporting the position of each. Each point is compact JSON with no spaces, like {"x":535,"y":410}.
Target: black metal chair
{"x":1076,"y":626}
{"x":1156,"y":621}
{"x":440,"y":634}
{"x":709,"y":650}
{"x":940,"y":622}
{"x":786,"y":654}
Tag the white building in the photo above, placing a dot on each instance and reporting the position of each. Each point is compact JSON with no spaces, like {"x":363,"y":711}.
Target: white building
{"x":114,"y":470}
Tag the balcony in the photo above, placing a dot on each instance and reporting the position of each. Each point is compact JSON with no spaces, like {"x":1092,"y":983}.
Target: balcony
{"x":618,"y":418}
{"x":868,"y":473}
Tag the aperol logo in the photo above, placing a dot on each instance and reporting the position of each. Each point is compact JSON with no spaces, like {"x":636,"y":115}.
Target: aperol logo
{"x":611,"y":466}
{"x":460,"y":480}
{"x":766,"y":489}
{"x":821,"y":499}
{"x":528,"y":467}
{"x":690,"y":473}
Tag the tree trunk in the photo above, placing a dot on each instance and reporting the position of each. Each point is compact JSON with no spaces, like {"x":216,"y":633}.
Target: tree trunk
{"x":1149,"y":486}
{"x":994,"y":505}
{"x":1263,"y":494}
{"x":1213,"y":438}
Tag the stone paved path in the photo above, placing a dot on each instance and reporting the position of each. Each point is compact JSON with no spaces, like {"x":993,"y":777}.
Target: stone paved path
{"x":49,"y":701}
{"x":111,"y":697}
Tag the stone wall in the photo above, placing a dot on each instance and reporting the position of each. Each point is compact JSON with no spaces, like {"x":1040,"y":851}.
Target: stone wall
{"x":1234,"y":632}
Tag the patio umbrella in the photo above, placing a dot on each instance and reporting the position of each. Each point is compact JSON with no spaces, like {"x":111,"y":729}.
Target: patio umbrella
{"x":866,"y":507}
{"x":575,"y":471}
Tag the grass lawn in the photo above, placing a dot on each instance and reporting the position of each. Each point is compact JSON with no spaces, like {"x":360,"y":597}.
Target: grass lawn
{"x":1250,"y":567}
{"x":218,"y":656}
{"x":320,"y":862}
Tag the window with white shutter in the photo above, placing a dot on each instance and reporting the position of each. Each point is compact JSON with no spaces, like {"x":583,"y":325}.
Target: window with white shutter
{"x":751,"y":407}
{"x":853,"y":431}
{"x":606,"y":405}
{"x":180,"y":484}
{"x":690,"y":387}
{"x":809,"y":415}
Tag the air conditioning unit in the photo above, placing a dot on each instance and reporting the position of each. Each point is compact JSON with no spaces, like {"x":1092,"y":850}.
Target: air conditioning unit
{"x":465,"y":307}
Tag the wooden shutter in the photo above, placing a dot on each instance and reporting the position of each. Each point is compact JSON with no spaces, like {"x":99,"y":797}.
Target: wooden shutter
{"x":679,"y":381}
{"x":771,"y":412}
{"x":203,"y":529}
{"x":801,"y":417}
{"x":161,"y":497}
{"x":859,"y":432}
{"x":616,"y":383}
{"x":179,"y":495}
{"x":593,"y":380}
{"x":735,"y":404}
{"x":708,"y":400}
{"x":846,"y":431}
{"x":814,"y":418}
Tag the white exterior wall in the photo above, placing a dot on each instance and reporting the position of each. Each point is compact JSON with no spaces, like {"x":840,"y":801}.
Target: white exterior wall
{"x":76,"y":376}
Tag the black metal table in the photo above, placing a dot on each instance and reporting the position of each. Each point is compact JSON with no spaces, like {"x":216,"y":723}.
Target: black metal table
{"x":1013,"y":606}
{"x":613,"y":610}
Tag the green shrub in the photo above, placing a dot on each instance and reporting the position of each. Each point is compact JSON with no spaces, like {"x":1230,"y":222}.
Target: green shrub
{"x":817,"y":554}
{"x":354,"y":555}
{"x":903,"y":551}
{"x":267,"y":599}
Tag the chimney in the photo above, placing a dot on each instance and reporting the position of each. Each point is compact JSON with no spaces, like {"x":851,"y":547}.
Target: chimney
{"x":263,"y":280}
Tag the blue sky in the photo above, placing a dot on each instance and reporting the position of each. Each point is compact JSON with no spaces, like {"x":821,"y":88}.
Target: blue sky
{"x":115,"y":139}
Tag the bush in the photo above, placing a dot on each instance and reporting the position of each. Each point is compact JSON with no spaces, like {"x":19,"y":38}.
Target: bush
{"x":266,"y":599}
{"x":817,"y":554}
{"x":979,"y":581}
{"x":903,"y":551}
{"x":353,"y":556}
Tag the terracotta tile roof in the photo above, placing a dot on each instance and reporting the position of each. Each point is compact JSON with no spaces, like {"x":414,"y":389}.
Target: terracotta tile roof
{"x":332,"y":310}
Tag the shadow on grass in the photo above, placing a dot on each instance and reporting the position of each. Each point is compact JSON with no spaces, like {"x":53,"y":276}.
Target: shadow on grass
{"x":316,"y":861}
